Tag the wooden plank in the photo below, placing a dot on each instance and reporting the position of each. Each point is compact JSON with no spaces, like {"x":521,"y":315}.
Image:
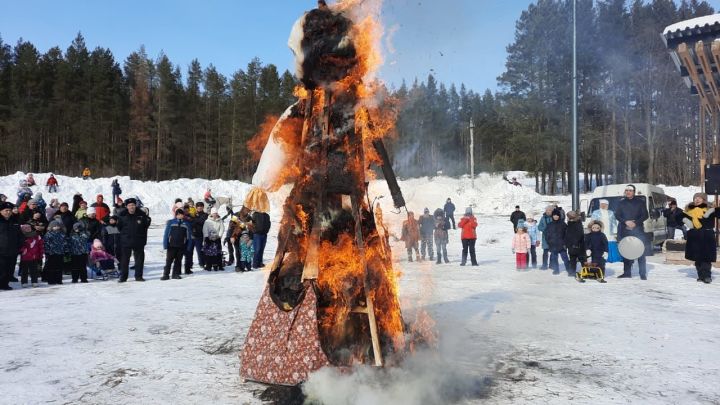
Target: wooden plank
{"x":689,"y":64}
{"x":705,"y":61}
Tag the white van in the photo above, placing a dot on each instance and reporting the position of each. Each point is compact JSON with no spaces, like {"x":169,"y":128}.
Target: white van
{"x":655,"y":200}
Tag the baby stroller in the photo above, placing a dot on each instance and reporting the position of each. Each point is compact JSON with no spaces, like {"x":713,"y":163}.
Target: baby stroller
{"x":591,"y":271}
{"x":104,"y":269}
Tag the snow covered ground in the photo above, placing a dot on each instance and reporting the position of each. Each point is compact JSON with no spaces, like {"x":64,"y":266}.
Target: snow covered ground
{"x":506,"y":337}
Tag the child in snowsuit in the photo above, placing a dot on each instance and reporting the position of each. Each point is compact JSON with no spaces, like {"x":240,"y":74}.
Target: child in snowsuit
{"x":52,"y":184}
{"x":410,"y":235}
{"x":441,"y":235}
{"x":100,"y":259}
{"x":31,"y":254}
{"x":111,"y":236}
{"x":532,"y":231}
{"x":574,"y":241}
{"x":56,"y":247}
{"x":521,"y":246}
{"x":245,"y":253}
{"x":212,"y":252}
{"x":596,"y":244}
{"x":79,"y":253}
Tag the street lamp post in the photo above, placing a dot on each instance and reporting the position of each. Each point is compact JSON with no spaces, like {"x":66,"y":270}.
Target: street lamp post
{"x":472,"y":153}
{"x":575,"y":181}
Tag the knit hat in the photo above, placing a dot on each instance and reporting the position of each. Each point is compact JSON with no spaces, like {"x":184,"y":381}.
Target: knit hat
{"x":115,"y":217}
{"x":130,"y":201}
{"x":91,"y":211}
{"x":64,"y":204}
{"x":179,"y":211}
{"x":97,"y":244}
{"x":603,"y":201}
{"x":82,"y":202}
{"x":557,"y":212}
{"x":78,"y":226}
{"x":6,"y":205}
{"x":572,"y":215}
{"x":38,"y":196}
{"x":56,"y":224}
{"x":468,"y":211}
{"x":701,"y":195}
{"x":426,"y":210}
{"x":32,"y":201}
{"x":213,"y":211}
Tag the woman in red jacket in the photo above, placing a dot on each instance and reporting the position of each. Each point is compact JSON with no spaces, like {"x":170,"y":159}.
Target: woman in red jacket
{"x":468,"y":224}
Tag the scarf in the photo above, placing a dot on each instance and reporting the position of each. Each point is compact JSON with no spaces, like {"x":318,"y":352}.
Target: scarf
{"x":695,"y":213}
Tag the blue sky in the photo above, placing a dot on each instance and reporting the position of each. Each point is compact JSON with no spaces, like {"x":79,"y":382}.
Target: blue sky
{"x":457,"y":41}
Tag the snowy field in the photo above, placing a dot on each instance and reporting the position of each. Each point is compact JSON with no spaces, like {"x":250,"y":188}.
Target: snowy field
{"x":506,"y":337}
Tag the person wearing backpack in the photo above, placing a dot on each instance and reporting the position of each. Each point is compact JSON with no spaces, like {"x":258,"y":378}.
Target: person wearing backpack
{"x":176,"y":242}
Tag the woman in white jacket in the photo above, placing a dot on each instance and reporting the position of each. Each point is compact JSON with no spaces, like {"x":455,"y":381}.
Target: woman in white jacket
{"x":213,"y":230}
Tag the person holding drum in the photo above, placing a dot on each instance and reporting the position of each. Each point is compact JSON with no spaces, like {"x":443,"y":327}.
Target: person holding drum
{"x":699,"y":217}
{"x":630,"y":213}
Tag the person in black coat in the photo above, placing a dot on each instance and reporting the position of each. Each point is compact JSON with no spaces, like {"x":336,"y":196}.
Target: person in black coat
{"x":133,"y":225}
{"x":449,"y":209}
{"x":631,"y":213}
{"x":68,"y":218}
{"x":11,"y":241}
{"x":575,"y":242}
{"x":260,"y":229}
{"x":700,"y":248}
{"x":516,"y":216}
{"x":596,"y":244}
{"x":196,"y":227}
{"x":76,"y":203}
{"x":555,"y":237}
{"x":674,"y":220}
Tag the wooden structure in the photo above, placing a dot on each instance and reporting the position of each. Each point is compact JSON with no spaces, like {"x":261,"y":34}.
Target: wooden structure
{"x":695,"y":48}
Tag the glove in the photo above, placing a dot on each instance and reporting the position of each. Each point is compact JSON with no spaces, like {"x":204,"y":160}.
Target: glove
{"x":688,"y":223}
{"x":605,"y":255}
{"x":588,"y":253}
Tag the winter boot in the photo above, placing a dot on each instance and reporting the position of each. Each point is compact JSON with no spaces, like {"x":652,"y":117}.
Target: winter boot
{"x":165,"y":277}
{"x":176,"y":277}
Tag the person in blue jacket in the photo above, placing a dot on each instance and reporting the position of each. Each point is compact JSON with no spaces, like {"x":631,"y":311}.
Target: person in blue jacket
{"x":176,"y":241}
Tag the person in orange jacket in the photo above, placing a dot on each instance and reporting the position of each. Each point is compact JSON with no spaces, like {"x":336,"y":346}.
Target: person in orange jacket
{"x":411,"y":236}
{"x":86,"y":173}
{"x":468,"y":224}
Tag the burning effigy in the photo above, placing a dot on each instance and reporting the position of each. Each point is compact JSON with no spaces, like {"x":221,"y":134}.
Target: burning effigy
{"x":331,"y":296}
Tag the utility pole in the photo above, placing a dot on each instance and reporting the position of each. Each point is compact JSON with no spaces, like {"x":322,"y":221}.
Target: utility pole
{"x":574,"y":175}
{"x":472,"y":154}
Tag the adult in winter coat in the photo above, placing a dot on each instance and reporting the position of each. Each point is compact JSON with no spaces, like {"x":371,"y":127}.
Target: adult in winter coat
{"x":11,"y":241}
{"x":631,"y":212}
{"x":440,"y":234}
{"x":51,"y":184}
{"x":213,"y":225}
{"x":467,"y":224}
{"x":427,"y":228}
{"x":176,"y":242}
{"x":449,"y":209}
{"x":545,"y":220}
{"x":607,"y":217}
{"x":116,"y":190}
{"x":102,"y":211}
{"x":516,"y":216}
{"x":196,"y":227}
{"x":133,"y":225}
{"x":674,"y":220}
{"x":66,"y":217}
{"x":260,"y":228}
{"x":410,"y":235}
{"x":111,"y":237}
{"x":700,"y":248}
{"x":555,"y":236}
{"x":575,"y":242}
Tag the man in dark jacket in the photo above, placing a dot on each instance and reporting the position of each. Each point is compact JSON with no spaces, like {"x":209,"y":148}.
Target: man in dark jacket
{"x":427,"y":227}
{"x":176,"y":242}
{"x":450,"y":212}
{"x":630,"y":213}
{"x":11,"y":240}
{"x":674,"y":220}
{"x":516,"y":216}
{"x":555,"y":235}
{"x":260,"y":229}
{"x":196,"y":228}
{"x":133,"y":225}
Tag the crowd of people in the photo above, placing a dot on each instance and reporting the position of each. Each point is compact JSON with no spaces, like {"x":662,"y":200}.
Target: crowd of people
{"x":561,"y":235}
{"x":56,"y":239}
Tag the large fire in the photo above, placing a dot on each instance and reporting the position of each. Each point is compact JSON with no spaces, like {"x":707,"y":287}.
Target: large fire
{"x":333,"y":264}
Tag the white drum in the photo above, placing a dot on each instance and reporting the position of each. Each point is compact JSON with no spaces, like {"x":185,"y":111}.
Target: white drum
{"x":631,"y":247}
